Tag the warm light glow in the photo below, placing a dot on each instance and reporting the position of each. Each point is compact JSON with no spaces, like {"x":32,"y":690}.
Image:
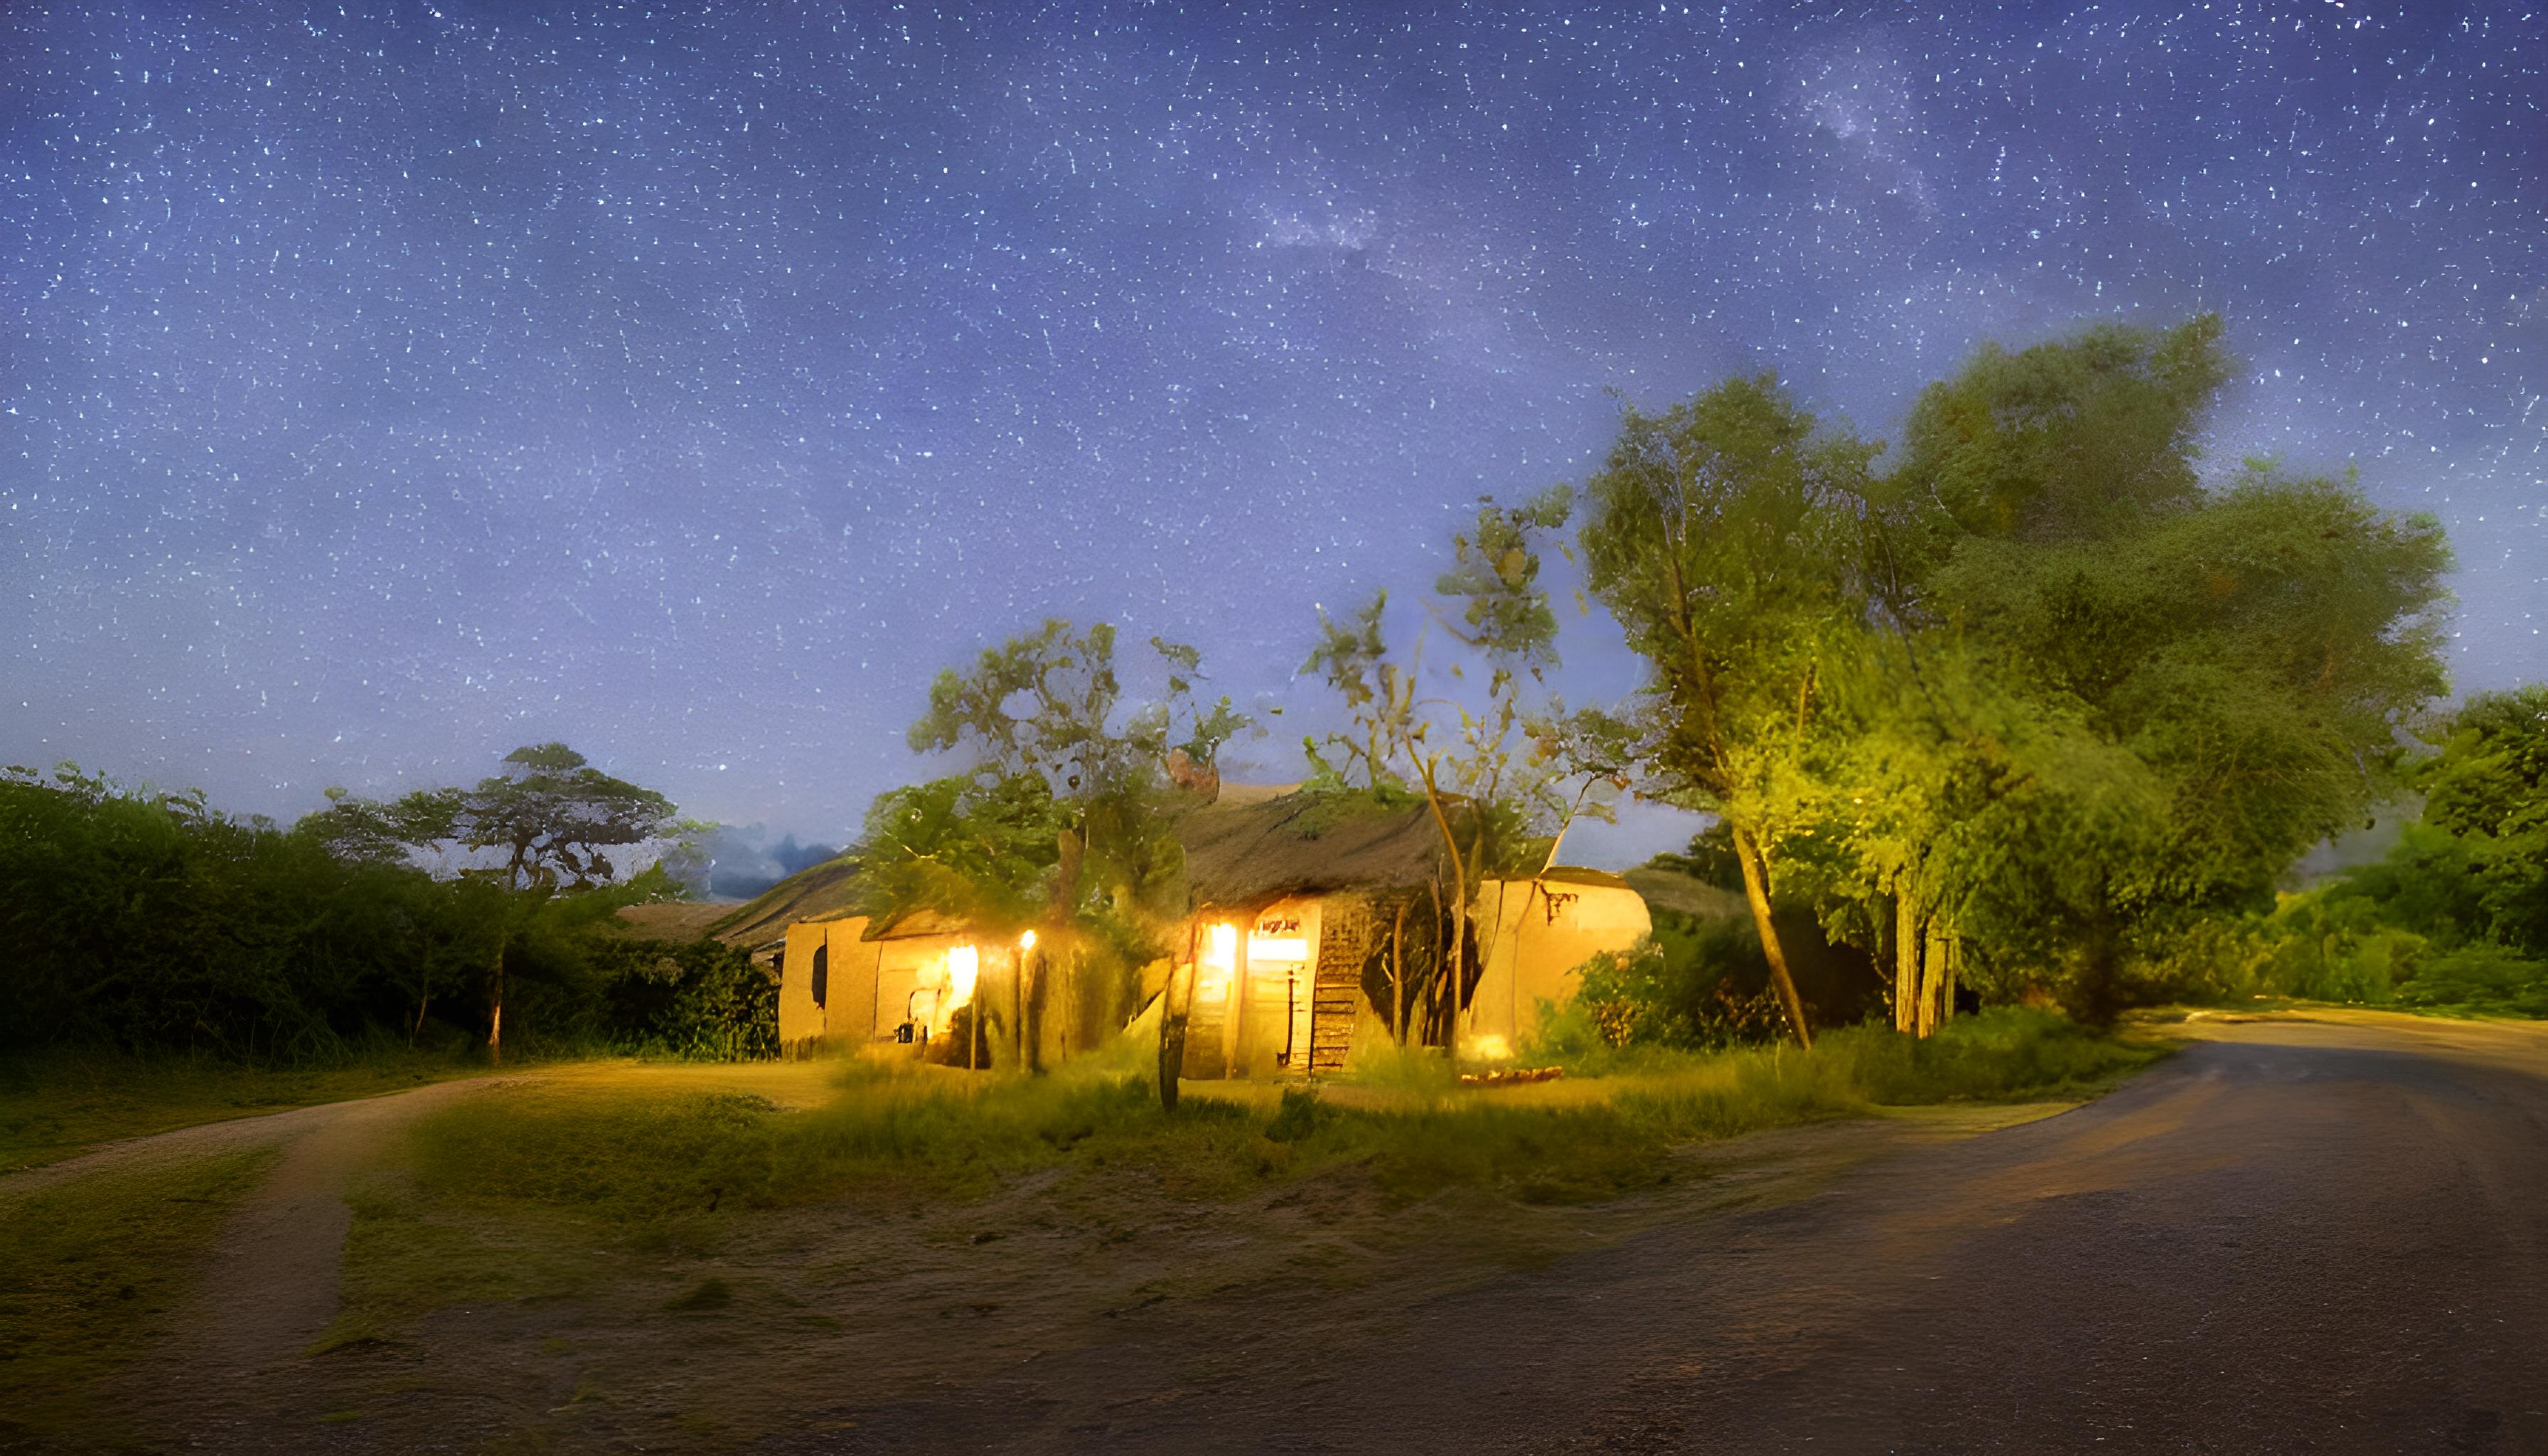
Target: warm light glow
{"x":1490,"y":1048}
{"x":1278,"y":948}
{"x":1027,"y":941}
{"x":1216,"y":965}
{"x":964,"y":967}
{"x":1220,"y":946}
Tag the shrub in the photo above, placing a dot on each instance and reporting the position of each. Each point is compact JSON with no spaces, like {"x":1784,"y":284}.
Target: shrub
{"x":1693,"y":983}
{"x":2480,"y":977}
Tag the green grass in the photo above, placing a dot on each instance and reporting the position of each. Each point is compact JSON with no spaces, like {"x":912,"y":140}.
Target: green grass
{"x":55,"y":1104}
{"x":95,"y":1267}
{"x":538,"y":1191}
{"x":633,"y":1160}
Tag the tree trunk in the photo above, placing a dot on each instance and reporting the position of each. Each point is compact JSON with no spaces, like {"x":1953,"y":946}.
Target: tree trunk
{"x":1398,"y":970}
{"x":1954,"y":948}
{"x":1172,"y":1027}
{"x":1459,"y":907}
{"x":496,"y":1013}
{"x":1906,"y":961}
{"x":1933,"y":977}
{"x":1454,"y":967}
{"x":1755,"y":890}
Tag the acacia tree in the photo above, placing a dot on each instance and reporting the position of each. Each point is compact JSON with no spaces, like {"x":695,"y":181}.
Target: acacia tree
{"x":548,"y":813}
{"x":1725,"y":535}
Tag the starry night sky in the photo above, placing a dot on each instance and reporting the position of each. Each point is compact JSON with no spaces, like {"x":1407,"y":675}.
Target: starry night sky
{"x":388,"y":385}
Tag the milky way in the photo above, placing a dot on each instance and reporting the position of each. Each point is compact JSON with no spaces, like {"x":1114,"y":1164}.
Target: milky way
{"x":384,"y":387}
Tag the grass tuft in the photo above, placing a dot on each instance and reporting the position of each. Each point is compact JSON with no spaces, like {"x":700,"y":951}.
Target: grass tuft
{"x":708,"y":1294}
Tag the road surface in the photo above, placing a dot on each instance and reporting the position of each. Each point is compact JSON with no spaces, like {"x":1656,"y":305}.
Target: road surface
{"x":2298,"y":1236}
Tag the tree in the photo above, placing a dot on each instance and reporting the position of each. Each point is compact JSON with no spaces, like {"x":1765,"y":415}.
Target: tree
{"x":1939,"y":812}
{"x":2488,"y":787}
{"x":549,"y":813}
{"x":2255,"y":649}
{"x":1492,"y":775}
{"x":1055,"y":752}
{"x":1725,"y":537}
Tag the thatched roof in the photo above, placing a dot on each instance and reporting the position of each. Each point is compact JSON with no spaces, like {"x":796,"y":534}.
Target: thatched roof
{"x":1252,"y":846}
{"x":1670,"y":889}
{"x":673,"y":920}
{"x":825,"y":891}
{"x":1306,"y":844}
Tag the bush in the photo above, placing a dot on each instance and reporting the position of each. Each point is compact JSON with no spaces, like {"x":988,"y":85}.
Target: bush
{"x":2480,"y":977}
{"x":151,"y":922}
{"x":1694,"y":984}
{"x":704,"y":1000}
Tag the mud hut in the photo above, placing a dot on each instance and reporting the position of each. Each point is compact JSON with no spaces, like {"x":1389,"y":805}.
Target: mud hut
{"x":1318,"y":918}
{"x":1314,"y":919}
{"x":852,"y":983}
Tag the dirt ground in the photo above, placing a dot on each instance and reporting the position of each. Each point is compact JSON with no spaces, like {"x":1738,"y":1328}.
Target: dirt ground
{"x":2308,"y":1231}
{"x":818,"y":1318}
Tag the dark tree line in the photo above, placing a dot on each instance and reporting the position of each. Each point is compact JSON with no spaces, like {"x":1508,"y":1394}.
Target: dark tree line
{"x":152,"y":921}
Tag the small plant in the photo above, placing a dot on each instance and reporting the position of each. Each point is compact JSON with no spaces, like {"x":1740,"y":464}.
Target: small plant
{"x":1301,"y":1116}
{"x":711,"y":1293}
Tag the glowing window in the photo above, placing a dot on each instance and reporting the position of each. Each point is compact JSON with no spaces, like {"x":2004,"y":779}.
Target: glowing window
{"x":1214,"y":967}
{"x":1220,"y":946}
{"x":964,"y":967}
{"x":1278,"y":948}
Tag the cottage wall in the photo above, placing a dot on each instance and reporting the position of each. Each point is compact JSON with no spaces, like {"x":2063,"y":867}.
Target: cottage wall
{"x":1537,"y":934}
{"x":874,"y":986}
{"x":848,"y":1009}
{"x":853,"y":999}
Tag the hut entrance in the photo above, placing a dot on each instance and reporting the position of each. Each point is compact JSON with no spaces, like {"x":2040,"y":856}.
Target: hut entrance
{"x":1209,"y":1023}
{"x":1278,"y":965}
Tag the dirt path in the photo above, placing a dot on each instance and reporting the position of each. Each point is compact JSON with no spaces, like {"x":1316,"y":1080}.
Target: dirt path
{"x":231,"y":1134}
{"x":269,"y":1287}
{"x":2323,"y":1233}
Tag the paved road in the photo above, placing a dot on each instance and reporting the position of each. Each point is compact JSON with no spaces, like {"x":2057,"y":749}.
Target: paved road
{"x":2320,"y":1235}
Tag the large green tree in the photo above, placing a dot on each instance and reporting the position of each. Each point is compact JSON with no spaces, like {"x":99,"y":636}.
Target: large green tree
{"x":1726,"y":535}
{"x":2255,"y":645}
